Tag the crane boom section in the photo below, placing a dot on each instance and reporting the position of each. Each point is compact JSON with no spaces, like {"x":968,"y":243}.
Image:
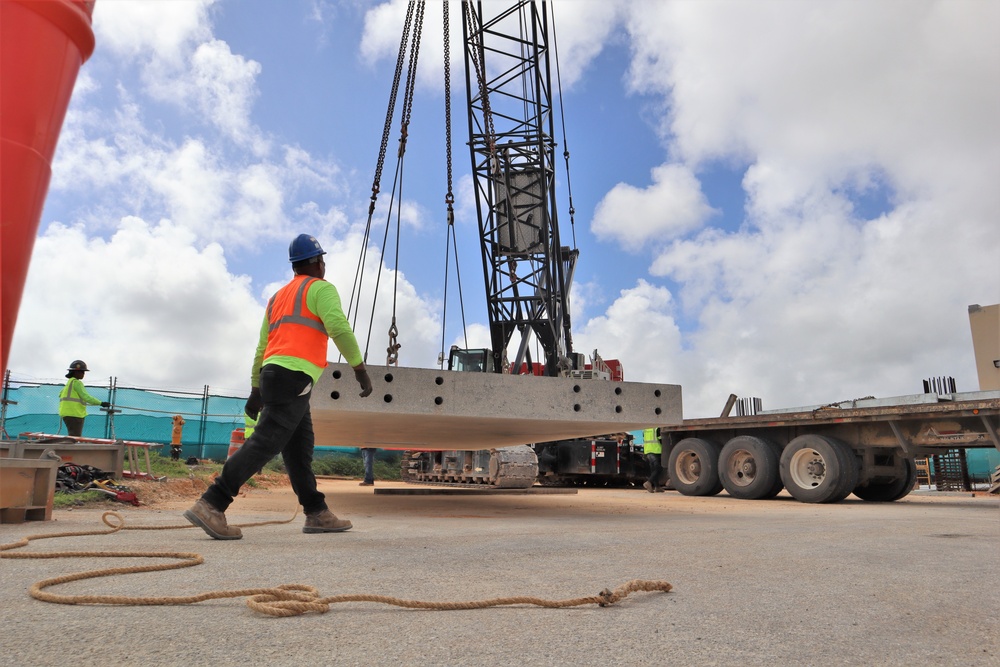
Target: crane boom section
{"x":511,"y":128}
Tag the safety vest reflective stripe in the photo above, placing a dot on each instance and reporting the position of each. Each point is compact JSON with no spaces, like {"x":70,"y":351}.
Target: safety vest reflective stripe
{"x":296,"y":317}
{"x":67,"y":398}
{"x":305,"y":336}
{"x":651,"y":442}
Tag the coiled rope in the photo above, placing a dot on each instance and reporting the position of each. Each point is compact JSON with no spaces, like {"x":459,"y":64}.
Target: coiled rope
{"x":283,"y":600}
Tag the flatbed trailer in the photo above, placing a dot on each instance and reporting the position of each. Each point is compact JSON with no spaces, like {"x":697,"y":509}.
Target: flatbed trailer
{"x":822,"y":454}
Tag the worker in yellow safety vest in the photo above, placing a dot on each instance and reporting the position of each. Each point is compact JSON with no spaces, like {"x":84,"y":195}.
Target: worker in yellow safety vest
{"x":653,"y":450}
{"x":74,"y":399}
{"x":300,"y":320}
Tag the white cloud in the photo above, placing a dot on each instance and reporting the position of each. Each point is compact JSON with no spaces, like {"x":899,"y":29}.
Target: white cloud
{"x":584,"y":26}
{"x":810,"y":301}
{"x":146,"y":306}
{"x":224,"y":85}
{"x":152,"y":30}
{"x":122,"y":164}
{"x":182,"y":64}
{"x":638,"y":329}
{"x":671,"y":206}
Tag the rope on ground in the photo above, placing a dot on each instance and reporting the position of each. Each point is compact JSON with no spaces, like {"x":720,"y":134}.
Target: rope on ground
{"x":283,"y":600}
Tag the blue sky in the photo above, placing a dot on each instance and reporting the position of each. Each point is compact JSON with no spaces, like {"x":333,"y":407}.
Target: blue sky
{"x":795,"y":201}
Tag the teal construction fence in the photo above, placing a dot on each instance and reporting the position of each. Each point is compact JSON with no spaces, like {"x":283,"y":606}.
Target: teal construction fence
{"x":145,"y":415}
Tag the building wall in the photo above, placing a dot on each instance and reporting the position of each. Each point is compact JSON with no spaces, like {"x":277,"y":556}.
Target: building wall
{"x":985,"y":324}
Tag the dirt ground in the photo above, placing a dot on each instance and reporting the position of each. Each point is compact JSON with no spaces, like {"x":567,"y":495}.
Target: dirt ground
{"x":754,"y":582}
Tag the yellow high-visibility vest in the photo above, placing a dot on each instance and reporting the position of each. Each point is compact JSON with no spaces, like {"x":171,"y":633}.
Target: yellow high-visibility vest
{"x":651,"y":441}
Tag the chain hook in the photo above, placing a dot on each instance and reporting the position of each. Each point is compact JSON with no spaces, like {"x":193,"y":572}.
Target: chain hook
{"x":392,"y":352}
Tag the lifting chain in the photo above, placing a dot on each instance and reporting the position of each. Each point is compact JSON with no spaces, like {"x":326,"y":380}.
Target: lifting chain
{"x":411,"y":77}
{"x":449,"y":198}
{"x":392,"y":352}
{"x":391,"y":111}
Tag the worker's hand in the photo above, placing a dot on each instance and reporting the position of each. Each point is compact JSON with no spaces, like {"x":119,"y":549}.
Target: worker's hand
{"x":361,"y":375}
{"x":254,"y":403}
{"x":105,"y":404}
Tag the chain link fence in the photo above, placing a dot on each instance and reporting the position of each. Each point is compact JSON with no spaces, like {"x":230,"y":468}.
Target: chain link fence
{"x":139,"y":414}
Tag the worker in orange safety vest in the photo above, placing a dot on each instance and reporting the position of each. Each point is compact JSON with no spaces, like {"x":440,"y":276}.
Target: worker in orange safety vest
{"x":300,"y":320}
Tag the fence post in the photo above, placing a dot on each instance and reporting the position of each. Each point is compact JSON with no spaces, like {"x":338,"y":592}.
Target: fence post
{"x":204,"y":418}
{"x":108,"y":414}
{"x":4,"y":402}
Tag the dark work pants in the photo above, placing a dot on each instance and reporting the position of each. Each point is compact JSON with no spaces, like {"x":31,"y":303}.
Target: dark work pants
{"x":74,"y":425}
{"x":655,"y":467}
{"x":285,"y":427}
{"x":368,"y":456}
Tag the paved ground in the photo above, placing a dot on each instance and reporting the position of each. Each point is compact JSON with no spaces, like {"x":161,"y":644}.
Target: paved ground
{"x":755,"y":583}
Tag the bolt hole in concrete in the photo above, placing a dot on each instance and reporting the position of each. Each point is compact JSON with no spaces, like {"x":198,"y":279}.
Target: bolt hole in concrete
{"x":576,"y":407}
{"x":618,"y":408}
{"x":656,"y":392}
{"x":387,"y":398}
{"x":439,"y":380}
{"x":618,"y":391}
{"x":576,"y":388}
{"x":657,"y":411}
{"x":336,"y":375}
{"x":388,"y":377}
{"x":335,"y":395}
{"x":438,"y":400}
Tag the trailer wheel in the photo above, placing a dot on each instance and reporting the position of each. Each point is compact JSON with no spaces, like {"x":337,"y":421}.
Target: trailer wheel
{"x":748,"y":468}
{"x":694,"y":467}
{"x":818,"y":469}
{"x":887,"y":492}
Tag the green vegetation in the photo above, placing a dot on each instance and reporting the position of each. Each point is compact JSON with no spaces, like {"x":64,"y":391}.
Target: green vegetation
{"x":62,"y":500}
{"x":347,"y":465}
{"x":335,"y":465}
{"x":164,"y":466}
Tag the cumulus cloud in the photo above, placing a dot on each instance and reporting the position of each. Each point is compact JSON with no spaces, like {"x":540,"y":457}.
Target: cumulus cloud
{"x":671,"y":206}
{"x":182,"y":64}
{"x":145,"y":305}
{"x":810,"y":300}
{"x":136,"y":171}
{"x":584,"y":27}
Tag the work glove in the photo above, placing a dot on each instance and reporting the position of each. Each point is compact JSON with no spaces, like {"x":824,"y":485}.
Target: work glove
{"x":254,"y":403}
{"x":361,"y":375}
{"x":105,"y":404}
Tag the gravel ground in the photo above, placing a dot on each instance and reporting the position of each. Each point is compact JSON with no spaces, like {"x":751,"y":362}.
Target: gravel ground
{"x":755,"y":583}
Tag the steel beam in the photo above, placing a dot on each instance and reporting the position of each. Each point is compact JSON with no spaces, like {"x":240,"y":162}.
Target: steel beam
{"x":419,"y":408}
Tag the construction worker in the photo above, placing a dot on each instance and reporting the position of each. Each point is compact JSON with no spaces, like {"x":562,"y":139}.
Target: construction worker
{"x":652,"y":450}
{"x":74,"y":399}
{"x":368,"y":458}
{"x":291,"y":354}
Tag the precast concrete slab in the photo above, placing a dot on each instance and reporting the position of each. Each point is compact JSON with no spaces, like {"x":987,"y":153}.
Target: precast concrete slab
{"x":419,"y":408}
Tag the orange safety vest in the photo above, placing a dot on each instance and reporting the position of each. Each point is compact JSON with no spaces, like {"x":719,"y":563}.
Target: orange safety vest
{"x":294,"y":330}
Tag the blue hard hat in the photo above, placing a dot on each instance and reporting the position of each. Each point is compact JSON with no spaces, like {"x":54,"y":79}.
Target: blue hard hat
{"x":304,"y":247}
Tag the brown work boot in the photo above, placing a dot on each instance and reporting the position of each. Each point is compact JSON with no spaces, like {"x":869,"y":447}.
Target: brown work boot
{"x":325,"y":522}
{"x":212,"y":521}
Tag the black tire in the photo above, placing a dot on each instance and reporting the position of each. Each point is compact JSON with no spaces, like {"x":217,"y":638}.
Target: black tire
{"x":887,"y":492}
{"x":748,"y":468}
{"x":694,"y":467}
{"x":818,"y":469}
